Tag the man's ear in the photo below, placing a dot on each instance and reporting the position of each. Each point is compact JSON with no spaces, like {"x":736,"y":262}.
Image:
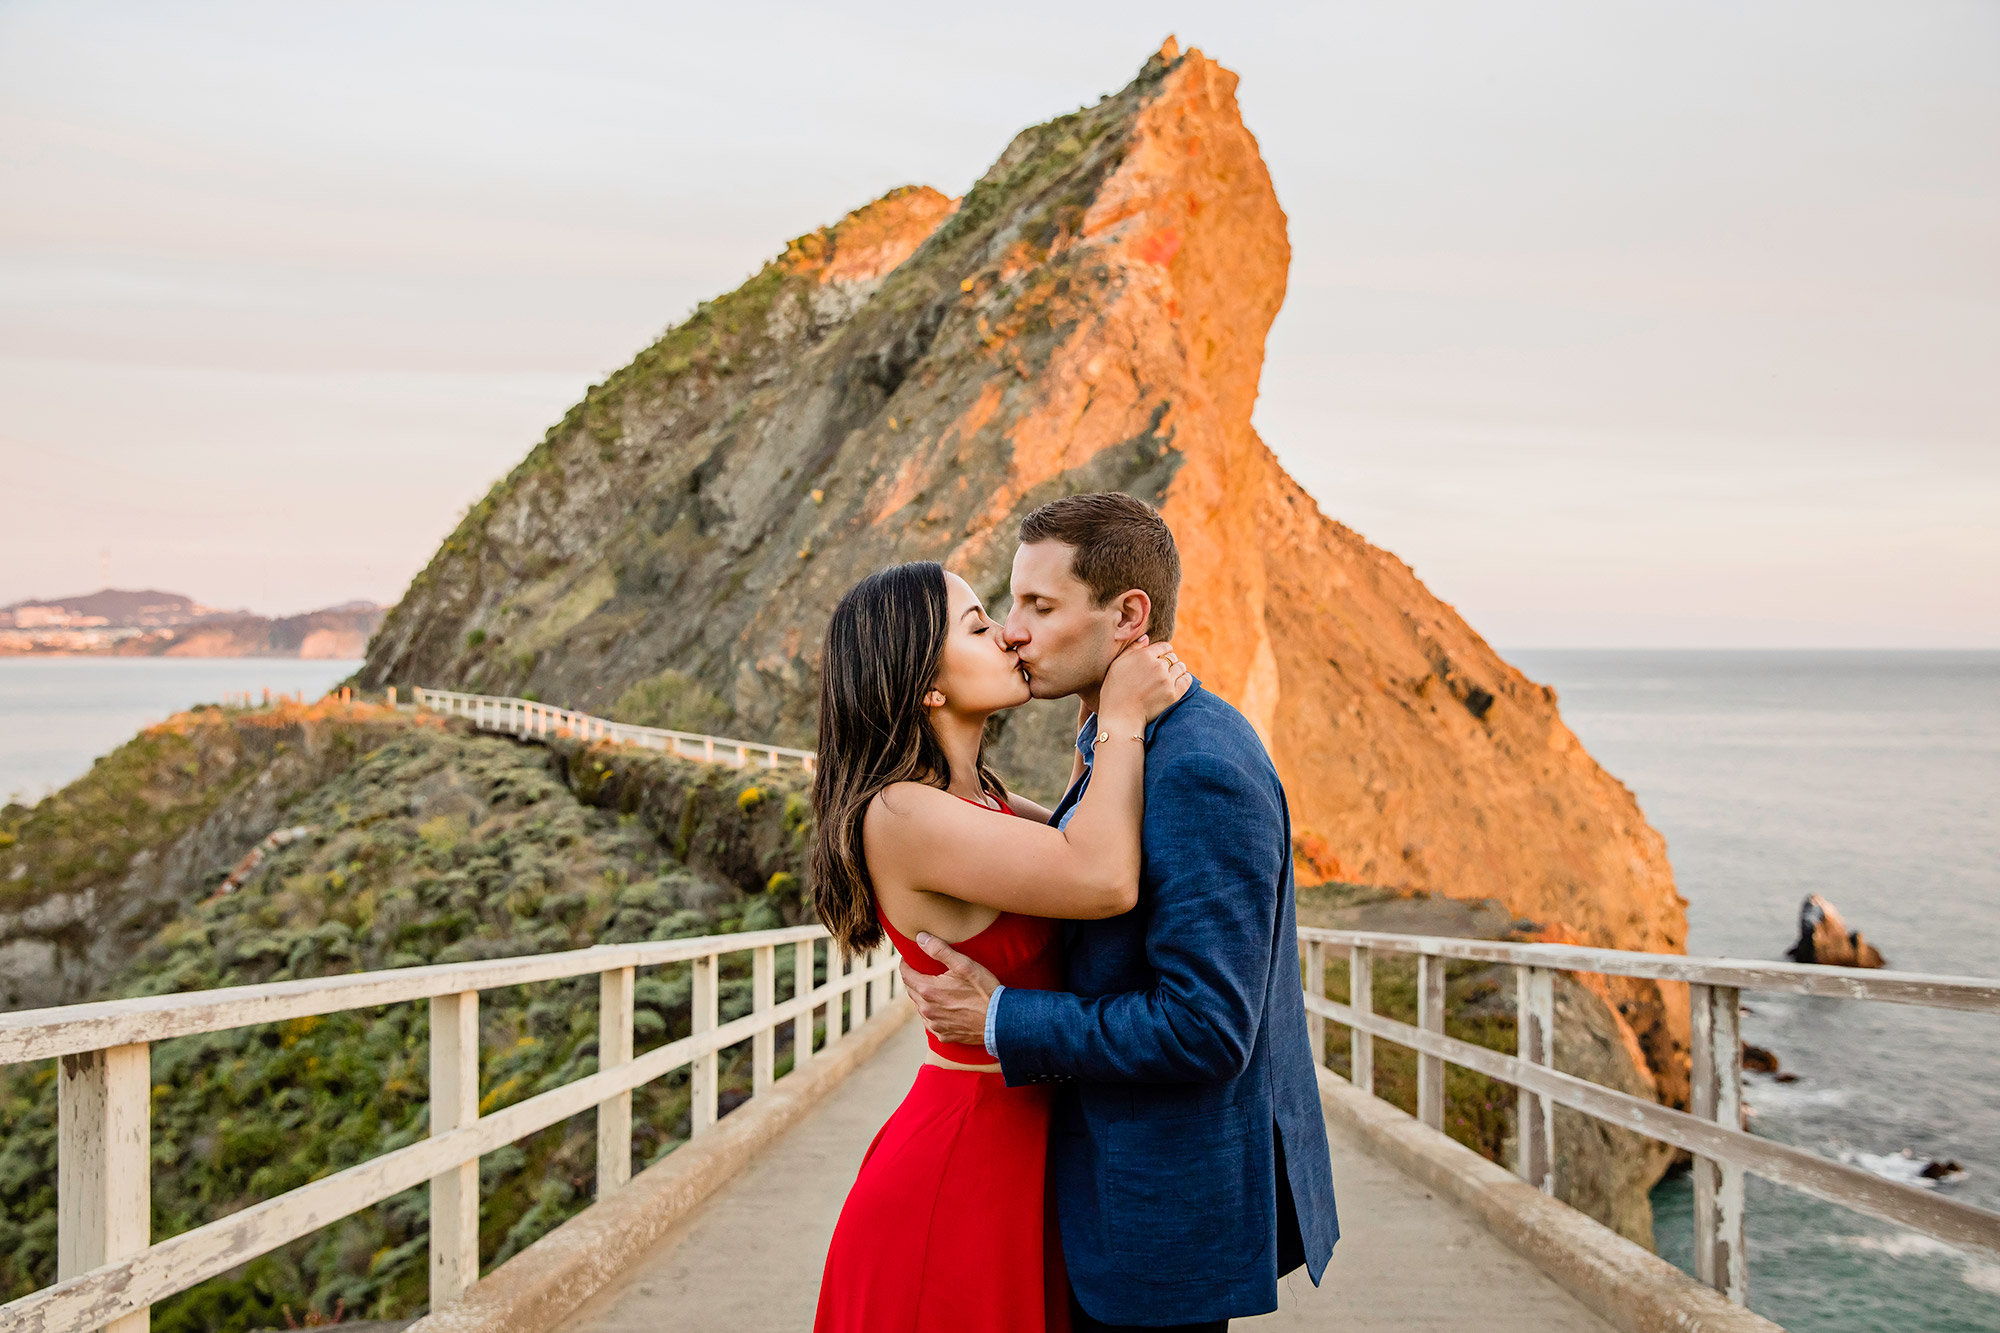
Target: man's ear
{"x":1135,"y":610}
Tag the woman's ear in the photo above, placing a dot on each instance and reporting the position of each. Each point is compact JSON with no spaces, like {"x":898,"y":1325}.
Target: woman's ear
{"x":934,"y":699}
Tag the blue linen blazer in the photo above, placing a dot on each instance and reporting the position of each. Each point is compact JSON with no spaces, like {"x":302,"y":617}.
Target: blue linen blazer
{"x":1187,"y":1153}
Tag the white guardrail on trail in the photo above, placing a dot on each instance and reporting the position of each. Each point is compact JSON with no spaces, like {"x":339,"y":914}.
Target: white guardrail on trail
{"x":1712,"y":1131}
{"x":109,"y":1270}
{"x":526,"y":717}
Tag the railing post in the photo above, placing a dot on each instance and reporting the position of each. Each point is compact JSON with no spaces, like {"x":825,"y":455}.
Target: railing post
{"x":1534,"y":1042}
{"x":763,"y":1046}
{"x":836,"y":1001}
{"x":1430,"y":1017}
{"x":802,"y":1030}
{"x":1316,"y":985}
{"x":104,"y":1183}
{"x":1719,"y":1258}
{"x":877,"y":987}
{"x":454,"y":1102}
{"x":614,"y":1047}
{"x":702,"y":1076}
{"x":1361,"y":998}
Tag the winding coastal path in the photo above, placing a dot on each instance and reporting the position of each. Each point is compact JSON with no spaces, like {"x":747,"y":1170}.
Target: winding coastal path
{"x":1407,"y":1261}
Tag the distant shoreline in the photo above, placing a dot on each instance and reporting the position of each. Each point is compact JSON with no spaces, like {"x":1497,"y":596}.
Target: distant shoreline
{"x":131,"y":642}
{"x":116,"y":622}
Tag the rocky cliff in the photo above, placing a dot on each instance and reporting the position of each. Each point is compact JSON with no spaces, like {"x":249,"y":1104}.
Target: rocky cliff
{"x":909,"y":381}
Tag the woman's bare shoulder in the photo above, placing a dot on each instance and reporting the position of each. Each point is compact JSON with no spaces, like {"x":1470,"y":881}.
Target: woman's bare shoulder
{"x":902,"y":800}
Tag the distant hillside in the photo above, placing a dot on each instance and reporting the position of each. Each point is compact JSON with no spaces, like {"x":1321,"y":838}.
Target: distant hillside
{"x":116,"y":607}
{"x":150,"y":623}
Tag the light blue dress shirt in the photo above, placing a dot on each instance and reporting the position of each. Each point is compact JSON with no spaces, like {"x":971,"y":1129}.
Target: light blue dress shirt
{"x":1086,"y":745}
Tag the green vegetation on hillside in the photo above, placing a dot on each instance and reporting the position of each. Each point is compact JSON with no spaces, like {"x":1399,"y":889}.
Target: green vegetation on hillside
{"x":1478,"y":1111}
{"x":675,"y":701}
{"x":143,"y":795}
{"x":432,"y":845}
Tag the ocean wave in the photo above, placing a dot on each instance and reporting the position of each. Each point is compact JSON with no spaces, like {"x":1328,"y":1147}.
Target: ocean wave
{"x":1905,"y":1167}
{"x":1978,"y":1273}
{"x":1765,"y":1094}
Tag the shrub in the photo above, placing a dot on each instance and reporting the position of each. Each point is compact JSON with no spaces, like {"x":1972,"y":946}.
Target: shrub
{"x":675,"y":701}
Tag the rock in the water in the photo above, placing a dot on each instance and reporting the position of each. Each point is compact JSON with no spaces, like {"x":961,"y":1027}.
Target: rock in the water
{"x":909,"y":382}
{"x":1757,"y":1060}
{"x":1825,"y":939}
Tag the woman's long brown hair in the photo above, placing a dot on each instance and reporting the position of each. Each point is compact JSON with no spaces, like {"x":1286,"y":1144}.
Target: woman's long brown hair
{"x":882,"y":651}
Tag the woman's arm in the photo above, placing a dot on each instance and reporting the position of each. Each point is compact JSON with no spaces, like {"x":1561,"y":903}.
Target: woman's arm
{"x":1076,"y":764}
{"x":922,"y":839}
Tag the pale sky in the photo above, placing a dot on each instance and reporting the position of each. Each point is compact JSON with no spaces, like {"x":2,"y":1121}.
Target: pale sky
{"x":1650,"y":325}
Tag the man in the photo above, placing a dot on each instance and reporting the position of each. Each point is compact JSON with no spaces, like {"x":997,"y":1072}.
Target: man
{"x":1188,"y":1155}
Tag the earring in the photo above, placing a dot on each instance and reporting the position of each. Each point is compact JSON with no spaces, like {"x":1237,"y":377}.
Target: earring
{"x":935,"y":699}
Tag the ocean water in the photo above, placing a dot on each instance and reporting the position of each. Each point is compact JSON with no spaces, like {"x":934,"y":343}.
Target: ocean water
{"x":1874,"y":779}
{"x":57,"y":714}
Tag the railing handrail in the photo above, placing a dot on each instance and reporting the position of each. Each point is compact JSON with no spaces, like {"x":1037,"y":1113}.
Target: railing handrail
{"x":108,"y":1267}
{"x":1976,"y":994}
{"x":1710,"y":1130}
{"x":586,"y":724}
{"x":42,"y":1034}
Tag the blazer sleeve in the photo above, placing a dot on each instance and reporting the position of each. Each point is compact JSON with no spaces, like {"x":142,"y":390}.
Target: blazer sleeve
{"x":1216,"y":857}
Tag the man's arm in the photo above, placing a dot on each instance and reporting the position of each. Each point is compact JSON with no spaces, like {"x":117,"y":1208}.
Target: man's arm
{"x":1216,"y":840}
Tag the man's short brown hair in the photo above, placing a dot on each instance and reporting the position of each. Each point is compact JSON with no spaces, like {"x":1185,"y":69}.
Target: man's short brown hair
{"x":1121,"y":543}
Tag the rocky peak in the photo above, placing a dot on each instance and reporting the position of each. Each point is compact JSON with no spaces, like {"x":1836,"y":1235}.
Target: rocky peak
{"x":906,"y":384}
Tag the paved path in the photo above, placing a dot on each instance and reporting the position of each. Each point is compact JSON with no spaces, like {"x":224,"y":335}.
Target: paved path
{"x":751,"y":1259}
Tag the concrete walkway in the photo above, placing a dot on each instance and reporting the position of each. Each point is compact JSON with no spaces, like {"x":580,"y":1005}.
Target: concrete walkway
{"x":751,"y":1258}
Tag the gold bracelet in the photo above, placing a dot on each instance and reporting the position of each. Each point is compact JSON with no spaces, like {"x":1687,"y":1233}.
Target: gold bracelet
{"x":1104,"y":736}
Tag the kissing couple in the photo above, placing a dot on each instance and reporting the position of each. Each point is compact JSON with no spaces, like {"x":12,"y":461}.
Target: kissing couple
{"x":1118,"y":1122}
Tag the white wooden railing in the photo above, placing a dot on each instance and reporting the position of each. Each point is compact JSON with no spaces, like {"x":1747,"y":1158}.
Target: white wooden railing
{"x":110,"y":1271}
{"x":1711,"y":1129}
{"x":526,"y":718}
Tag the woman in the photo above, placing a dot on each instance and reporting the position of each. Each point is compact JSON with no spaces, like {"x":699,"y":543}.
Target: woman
{"x":947,"y":1227}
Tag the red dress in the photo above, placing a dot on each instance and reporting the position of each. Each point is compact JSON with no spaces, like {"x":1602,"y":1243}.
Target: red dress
{"x":950,"y":1227}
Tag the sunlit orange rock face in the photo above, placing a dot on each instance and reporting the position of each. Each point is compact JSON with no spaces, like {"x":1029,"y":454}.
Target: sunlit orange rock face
{"x":906,"y":385}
